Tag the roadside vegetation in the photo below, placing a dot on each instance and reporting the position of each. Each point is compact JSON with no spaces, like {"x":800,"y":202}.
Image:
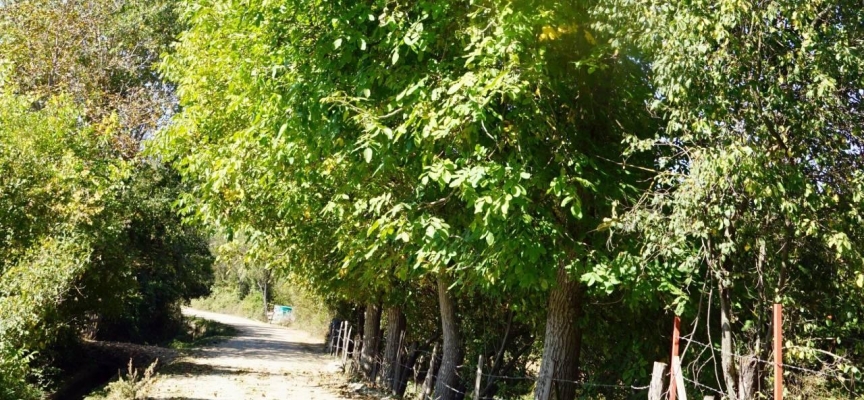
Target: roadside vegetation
{"x":90,"y":245}
{"x":134,"y":382}
{"x":543,"y":184}
{"x":129,"y":386}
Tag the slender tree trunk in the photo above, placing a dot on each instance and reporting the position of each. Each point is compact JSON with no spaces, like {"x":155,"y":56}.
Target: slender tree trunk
{"x":371,"y":339}
{"x":448,"y":381}
{"x":392,"y":356}
{"x":561,"y":348}
{"x":730,"y":374}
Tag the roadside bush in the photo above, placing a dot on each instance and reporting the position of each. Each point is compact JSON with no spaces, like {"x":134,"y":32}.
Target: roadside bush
{"x":14,"y":374}
{"x":133,"y":387}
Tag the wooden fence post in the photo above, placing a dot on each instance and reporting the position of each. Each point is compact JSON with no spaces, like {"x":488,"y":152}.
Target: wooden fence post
{"x":334,"y":341}
{"x":546,"y":393}
{"x":341,"y":343}
{"x":658,"y":376}
{"x":430,"y":376}
{"x":778,"y":352}
{"x":417,"y":365}
{"x":678,"y":378}
{"x":345,"y":348}
{"x":479,"y":378}
{"x":676,"y":334}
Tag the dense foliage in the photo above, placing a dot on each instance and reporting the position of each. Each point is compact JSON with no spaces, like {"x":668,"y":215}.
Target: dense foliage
{"x":760,"y":195}
{"x":90,"y":246}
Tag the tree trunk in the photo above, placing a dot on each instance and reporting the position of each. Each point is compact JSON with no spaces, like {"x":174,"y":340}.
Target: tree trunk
{"x":392,"y":354}
{"x":371,"y":339}
{"x":563,"y":341}
{"x":730,"y":374}
{"x":448,"y":381}
{"x":748,"y":371}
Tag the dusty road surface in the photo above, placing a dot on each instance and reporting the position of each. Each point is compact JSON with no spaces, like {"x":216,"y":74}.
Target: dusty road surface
{"x":262,"y":362}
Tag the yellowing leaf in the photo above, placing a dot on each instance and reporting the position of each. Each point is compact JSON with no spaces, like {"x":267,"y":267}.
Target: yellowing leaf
{"x":590,"y":38}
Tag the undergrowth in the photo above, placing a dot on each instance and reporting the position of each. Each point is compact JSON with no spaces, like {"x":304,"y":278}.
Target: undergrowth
{"x":132,"y":387}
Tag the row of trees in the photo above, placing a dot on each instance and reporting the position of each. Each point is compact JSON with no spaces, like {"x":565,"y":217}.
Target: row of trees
{"x":560,"y":171}
{"x":90,"y":246}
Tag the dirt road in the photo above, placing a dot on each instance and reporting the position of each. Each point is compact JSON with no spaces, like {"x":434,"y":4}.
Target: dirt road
{"x":262,"y":362}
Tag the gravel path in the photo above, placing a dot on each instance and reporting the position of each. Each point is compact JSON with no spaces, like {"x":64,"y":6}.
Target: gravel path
{"x":262,"y":362}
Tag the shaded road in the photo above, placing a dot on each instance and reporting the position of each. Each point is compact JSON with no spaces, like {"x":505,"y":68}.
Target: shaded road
{"x":262,"y":362}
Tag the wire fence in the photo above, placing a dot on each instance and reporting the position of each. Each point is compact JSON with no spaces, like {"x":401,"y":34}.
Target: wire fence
{"x":418,"y":369}
{"x":352,"y":347}
{"x":840,"y":376}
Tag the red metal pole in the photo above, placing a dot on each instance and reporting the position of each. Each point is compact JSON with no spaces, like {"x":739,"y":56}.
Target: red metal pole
{"x":676,"y":334}
{"x":778,"y":352}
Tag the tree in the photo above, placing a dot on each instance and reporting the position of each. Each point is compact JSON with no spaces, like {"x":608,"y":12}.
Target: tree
{"x":759,"y":194}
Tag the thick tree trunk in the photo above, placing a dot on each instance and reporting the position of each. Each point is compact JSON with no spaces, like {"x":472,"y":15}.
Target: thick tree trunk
{"x":561,"y":348}
{"x":371,"y":339}
{"x":448,"y":381}
{"x":392,"y":354}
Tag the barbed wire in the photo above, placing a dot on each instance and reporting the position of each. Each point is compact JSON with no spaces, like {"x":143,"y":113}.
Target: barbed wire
{"x":525,"y":378}
{"x":385,"y":363}
{"x":840,"y":376}
{"x":697,"y":384}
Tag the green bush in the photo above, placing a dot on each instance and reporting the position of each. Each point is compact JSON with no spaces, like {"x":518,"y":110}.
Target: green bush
{"x":311,"y":313}
{"x":14,"y":374}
